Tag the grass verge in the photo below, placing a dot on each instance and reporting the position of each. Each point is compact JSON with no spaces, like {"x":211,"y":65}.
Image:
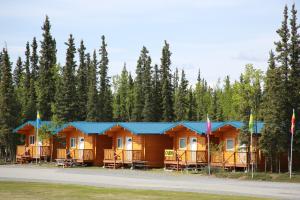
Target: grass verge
{"x":36,"y":191}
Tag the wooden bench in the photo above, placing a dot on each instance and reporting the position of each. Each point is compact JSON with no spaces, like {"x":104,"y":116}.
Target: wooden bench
{"x":139,"y":165}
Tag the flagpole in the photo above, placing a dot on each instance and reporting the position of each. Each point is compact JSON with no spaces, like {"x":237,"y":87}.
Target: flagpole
{"x":37,"y":141}
{"x":292,"y":138}
{"x":251,"y":155}
{"x":208,"y":154}
{"x":291,"y":158}
{"x":208,"y":146}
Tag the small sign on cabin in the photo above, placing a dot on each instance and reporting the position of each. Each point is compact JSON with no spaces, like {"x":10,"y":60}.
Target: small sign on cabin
{"x":169,"y":153}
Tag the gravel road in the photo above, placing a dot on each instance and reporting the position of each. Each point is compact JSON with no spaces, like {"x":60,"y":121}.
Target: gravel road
{"x":157,"y":180}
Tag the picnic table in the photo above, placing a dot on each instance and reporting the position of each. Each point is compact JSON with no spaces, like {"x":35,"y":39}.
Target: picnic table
{"x":23,"y":159}
{"x":64,"y":162}
{"x":139,"y":165}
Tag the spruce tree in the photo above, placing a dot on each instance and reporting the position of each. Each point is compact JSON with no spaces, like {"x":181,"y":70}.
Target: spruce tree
{"x":191,"y":111}
{"x":130,"y":98}
{"x":167,"y":88}
{"x":46,"y":78}
{"x":181,"y":106}
{"x":116,"y":98}
{"x":34,"y":59}
{"x":123,"y":92}
{"x":282,"y":58}
{"x":28,"y":111}
{"x":18,"y":73}
{"x":143,"y":62}
{"x":294,"y":62}
{"x":199,"y":98}
{"x":157,"y":98}
{"x":67,"y":104}
{"x":92,"y":103}
{"x":105,"y":94}
{"x":18,"y":78}
{"x":226,"y":99}
{"x":148,"y":110}
{"x":8,"y":106}
{"x":272,"y":139}
{"x":82,"y":80}
{"x":56,"y":108}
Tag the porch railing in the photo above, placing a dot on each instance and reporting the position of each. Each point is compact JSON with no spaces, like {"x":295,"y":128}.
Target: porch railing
{"x":186,"y":156}
{"x":123,"y":155}
{"x":33,"y":151}
{"x":221,"y":158}
{"x":79,"y":154}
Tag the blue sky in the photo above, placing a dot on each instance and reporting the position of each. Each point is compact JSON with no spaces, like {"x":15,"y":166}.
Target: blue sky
{"x":217,"y":36}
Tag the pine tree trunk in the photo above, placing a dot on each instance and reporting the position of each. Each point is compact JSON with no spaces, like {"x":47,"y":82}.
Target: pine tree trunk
{"x":279,"y":170}
{"x":271,"y":164}
{"x":276,"y":163}
{"x":265,"y":164}
{"x":51,"y":154}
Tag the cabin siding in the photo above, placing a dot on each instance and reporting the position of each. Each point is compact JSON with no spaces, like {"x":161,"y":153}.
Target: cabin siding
{"x":101,"y":142}
{"x":151,"y":146}
{"x":88,"y":139}
{"x":155,"y":146}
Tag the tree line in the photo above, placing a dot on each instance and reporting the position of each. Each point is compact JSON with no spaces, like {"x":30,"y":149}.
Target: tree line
{"x":81,"y":90}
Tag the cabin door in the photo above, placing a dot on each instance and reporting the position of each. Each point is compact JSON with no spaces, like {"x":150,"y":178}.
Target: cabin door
{"x":242,"y":155}
{"x":39,"y":146}
{"x":128,"y":149}
{"x":80,"y":147}
{"x":193,"y":149}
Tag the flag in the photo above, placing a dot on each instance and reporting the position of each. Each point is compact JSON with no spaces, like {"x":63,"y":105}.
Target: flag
{"x":38,"y":120}
{"x":208,"y":125}
{"x":251,"y":123}
{"x":293,"y":123}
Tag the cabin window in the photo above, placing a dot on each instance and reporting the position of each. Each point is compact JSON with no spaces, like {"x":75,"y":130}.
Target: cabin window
{"x":229,"y":144}
{"x":119,"y":143}
{"x":182,"y":143}
{"x":31,"y":139}
{"x":73,"y":142}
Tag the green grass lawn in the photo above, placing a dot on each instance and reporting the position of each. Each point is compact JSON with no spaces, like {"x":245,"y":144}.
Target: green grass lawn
{"x":32,"y":191}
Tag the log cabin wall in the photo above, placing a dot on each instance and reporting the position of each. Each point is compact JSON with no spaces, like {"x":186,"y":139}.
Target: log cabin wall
{"x":101,"y":142}
{"x":155,"y":146}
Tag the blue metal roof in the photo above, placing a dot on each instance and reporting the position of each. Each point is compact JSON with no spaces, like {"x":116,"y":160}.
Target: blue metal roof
{"x":147,"y":127}
{"x":90,"y":127}
{"x":237,"y":124}
{"x":199,"y":127}
{"x":32,"y":123}
{"x":142,"y":127}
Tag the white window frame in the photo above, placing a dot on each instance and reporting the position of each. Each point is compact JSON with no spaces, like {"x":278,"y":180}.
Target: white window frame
{"x":73,"y":144}
{"x":119,"y":141}
{"x":233,"y":144}
{"x":185,"y":141}
{"x":31,"y":139}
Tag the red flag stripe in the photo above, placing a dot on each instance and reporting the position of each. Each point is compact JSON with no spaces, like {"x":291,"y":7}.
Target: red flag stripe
{"x":293,"y":123}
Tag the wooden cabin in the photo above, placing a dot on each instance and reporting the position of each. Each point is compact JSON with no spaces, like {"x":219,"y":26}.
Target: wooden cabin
{"x":142,"y":144}
{"x":31,"y":148}
{"x":226,"y":149}
{"x":83,"y":142}
{"x":189,"y":146}
{"x":137,"y":144}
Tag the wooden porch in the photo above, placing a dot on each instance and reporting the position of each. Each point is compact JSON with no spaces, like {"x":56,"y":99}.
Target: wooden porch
{"x":80,"y":155}
{"x":178,"y":159}
{"x":120,"y":158}
{"x":232,"y":159}
{"x":26,"y":154}
{"x":181,"y":159}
